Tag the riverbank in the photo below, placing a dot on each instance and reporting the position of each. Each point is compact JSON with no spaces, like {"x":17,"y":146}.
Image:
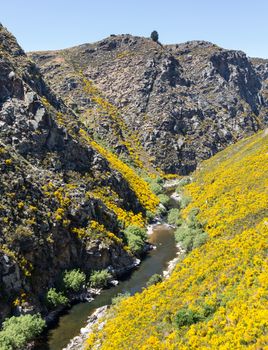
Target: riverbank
{"x":78,"y":342}
{"x":159,"y":260}
{"x":155,"y":262}
{"x":90,"y":293}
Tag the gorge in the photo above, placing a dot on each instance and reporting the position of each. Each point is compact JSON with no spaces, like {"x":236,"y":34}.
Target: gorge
{"x":88,"y":138}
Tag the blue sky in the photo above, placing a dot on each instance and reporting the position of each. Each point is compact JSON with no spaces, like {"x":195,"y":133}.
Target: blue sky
{"x":54,"y":24}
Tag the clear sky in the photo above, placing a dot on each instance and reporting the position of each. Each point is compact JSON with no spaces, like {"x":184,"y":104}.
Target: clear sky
{"x":54,"y":24}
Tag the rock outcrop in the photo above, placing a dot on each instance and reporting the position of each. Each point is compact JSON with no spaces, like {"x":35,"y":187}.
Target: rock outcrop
{"x":78,"y":342}
{"x":182,"y":102}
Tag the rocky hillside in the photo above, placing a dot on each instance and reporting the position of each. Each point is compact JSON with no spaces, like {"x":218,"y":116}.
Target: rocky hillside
{"x":81,"y":130}
{"x":174,"y":105}
{"x":64,"y":198}
{"x":216,"y":298}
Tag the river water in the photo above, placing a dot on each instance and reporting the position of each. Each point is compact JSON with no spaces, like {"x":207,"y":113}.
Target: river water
{"x":156,"y":261}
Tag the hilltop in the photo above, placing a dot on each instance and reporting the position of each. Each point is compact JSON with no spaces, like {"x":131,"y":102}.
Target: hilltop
{"x":183,"y":102}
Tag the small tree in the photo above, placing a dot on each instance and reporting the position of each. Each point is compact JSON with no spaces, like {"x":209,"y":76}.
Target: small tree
{"x":18,"y":331}
{"x":55,"y":298}
{"x":154,"y":36}
{"x":136,"y":237}
{"x":100,"y":279}
{"x":174,"y":217}
{"x":74,"y":280}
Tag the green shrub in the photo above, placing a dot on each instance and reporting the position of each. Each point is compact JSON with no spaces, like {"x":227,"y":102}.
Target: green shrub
{"x":209,"y":310}
{"x":55,"y":298}
{"x":182,"y":183}
{"x":74,"y":280}
{"x":164,"y":199}
{"x":136,"y":244}
{"x":150,"y":216}
{"x":154,"y":279}
{"x":192,"y":217}
{"x":161,"y":211}
{"x":136,"y":231}
{"x":117,"y":299}
{"x":186,"y":317}
{"x":18,"y":331}
{"x":200,"y":239}
{"x":100,"y":279}
{"x":187,"y":243}
{"x":156,"y":188}
{"x":184,"y":201}
{"x":182,"y":232}
{"x":155,"y":184}
{"x":191,"y":233}
{"x":136,"y":238}
{"x":159,"y":180}
{"x":174,"y":217}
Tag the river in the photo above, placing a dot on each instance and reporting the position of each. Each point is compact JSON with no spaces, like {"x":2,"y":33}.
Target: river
{"x":156,"y":261}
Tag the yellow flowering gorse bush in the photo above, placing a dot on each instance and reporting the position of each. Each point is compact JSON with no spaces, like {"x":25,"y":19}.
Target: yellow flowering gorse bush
{"x":227,"y":276}
{"x":145,"y":196}
{"x":131,"y":141}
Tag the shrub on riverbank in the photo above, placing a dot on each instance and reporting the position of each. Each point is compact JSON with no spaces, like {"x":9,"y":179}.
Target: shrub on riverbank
{"x":18,"y":331}
{"x":74,"y":280}
{"x":161,"y":210}
{"x":190,"y":234}
{"x":164,"y":199}
{"x":150,"y":216}
{"x":183,"y":182}
{"x":136,"y":238}
{"x":154,"y":279}
{"x":55,"y":299}
{"x":174,"y":217}
{"x":119,"y":297}
{"x":155,"y":184}
{"x":100,"y":279}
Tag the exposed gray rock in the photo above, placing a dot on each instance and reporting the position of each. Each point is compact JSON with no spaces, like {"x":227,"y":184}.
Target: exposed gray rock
{"x":78,"y":342}
{"x":47,"y":173}
{"x":185,"y":102}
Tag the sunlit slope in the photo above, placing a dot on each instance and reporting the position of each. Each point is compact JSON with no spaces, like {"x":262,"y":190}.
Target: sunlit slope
{"x":217,"y":296}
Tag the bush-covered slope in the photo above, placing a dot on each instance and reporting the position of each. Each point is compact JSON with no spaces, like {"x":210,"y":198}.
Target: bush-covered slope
{"x":64,"y":199}
{"x":217,"y":296}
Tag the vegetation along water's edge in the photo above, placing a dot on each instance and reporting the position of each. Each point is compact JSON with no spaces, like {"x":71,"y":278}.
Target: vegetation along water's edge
{"x":174,"y":189}
{"x":156,"y":261}
{"x":217,"y":295}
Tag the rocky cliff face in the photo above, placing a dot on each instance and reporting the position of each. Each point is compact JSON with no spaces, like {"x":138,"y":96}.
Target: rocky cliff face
{"x":182,"y":102}
{"x":261,"y":68}
{"x":51,"y":216}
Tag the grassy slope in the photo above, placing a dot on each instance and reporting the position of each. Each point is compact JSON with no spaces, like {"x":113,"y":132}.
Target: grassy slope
{"x":225,"y":280}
